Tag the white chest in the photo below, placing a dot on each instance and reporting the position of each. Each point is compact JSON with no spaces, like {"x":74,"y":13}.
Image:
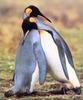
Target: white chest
{"x":52,"y":54}
{"x":50,"y":48}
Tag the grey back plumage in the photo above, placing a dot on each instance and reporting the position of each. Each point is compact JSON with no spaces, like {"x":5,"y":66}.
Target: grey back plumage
{"x":26,"y":59}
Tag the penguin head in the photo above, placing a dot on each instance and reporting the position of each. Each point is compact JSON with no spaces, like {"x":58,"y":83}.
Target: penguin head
{"x":28,"y":24}
{"x":32,"y":11}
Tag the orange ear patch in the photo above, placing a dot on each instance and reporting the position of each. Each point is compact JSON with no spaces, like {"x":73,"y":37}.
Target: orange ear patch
{"x":28,"y":11}
{"x":31,"y":19}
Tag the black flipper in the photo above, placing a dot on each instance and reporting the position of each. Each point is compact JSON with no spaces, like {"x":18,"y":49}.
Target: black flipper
{"x":61,"y":54}
{"x":40,"y":57}
{"x":66,"y":48}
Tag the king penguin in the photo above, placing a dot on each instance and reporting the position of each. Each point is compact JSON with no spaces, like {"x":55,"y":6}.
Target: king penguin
{"x":30,"y":63}
{"x":57,"y":52}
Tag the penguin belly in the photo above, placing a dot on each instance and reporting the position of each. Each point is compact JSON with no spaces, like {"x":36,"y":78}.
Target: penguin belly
{"x":73,"y":79}
{"x":52,"y":56}
{"x":35,"y":77}
{"x":53,"y":60}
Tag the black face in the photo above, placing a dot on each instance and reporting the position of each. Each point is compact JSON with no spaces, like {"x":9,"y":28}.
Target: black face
{"x":28,"y":26}
{"x":35,"y":12}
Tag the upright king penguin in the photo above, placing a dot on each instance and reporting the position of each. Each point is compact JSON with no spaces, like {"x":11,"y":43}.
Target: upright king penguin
{"x":56,"y":50}
{"x":30,"y":63}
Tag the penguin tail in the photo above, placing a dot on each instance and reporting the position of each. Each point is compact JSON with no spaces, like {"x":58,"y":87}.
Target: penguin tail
{"x":77,"y":90}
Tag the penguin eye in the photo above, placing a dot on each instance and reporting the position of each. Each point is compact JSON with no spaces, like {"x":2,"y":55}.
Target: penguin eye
{"x":28,"y":11}
{"x":31,"y":19}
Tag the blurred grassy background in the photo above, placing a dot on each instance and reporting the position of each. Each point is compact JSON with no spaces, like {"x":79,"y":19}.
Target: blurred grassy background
{"x":66,"y":15}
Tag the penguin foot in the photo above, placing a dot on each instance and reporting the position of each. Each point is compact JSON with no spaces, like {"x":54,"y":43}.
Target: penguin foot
{"x":35,"y":93}
{"x":9,"y":93}
{"x":64,"y":90}
{"x":19,"y":94}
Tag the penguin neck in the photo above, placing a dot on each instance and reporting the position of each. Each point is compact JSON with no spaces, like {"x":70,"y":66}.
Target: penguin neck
{"x":28,"y":31}
{"x":39,"y":20}
{"x":42,"y":32}
{"x":40,"y":23}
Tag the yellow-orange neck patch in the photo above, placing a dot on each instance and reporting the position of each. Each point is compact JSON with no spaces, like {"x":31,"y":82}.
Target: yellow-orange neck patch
{"x":42,"y":32}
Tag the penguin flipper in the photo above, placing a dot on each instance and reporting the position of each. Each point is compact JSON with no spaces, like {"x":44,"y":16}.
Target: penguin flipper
{"x":40,"y":57}
{"x":68,"y":53}
{"x":61,"y":53}
{"x":62,"y":57}
{"x":65,"y":46}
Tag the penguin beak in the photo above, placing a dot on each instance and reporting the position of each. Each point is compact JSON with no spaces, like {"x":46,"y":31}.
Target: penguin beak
{"x":25,"y":37}
{"x":42,"y":17}
{"x":24,"y":30}
{"x":24,"y":25}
